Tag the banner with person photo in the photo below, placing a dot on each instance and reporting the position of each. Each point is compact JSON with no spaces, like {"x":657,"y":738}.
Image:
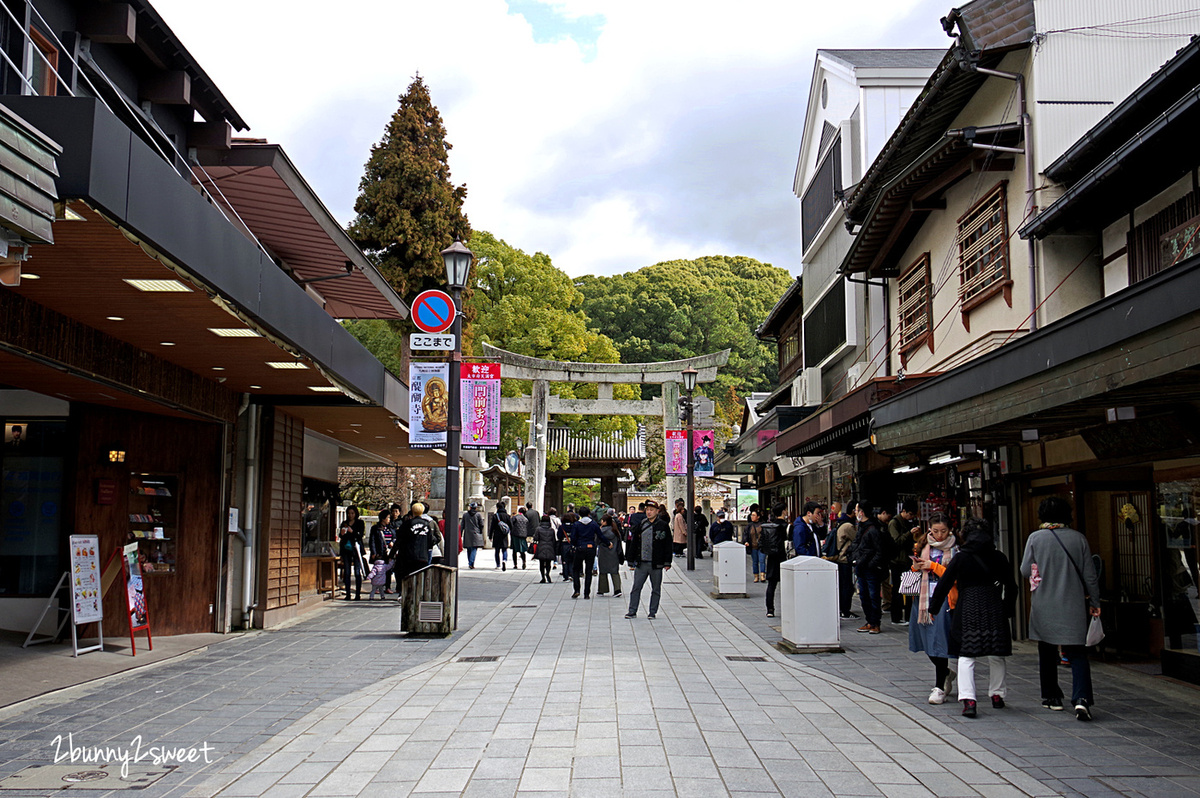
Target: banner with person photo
{"x":703,"y":452}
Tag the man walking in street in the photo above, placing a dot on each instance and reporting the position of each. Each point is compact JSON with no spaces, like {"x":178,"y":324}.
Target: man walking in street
{"x":771,"y":541}
{"x":871,"y":557}
{"x":806,"y":531}
{"x":649,"y":555}
{"x":535,"y":518}
{"x":721,"y":530}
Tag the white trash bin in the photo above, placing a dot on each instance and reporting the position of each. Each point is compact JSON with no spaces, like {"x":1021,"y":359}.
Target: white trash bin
{"x":809,"y":605}
{"x":729,"y":570}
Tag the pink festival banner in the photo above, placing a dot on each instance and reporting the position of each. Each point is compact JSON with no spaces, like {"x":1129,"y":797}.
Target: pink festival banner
{"x":676,"y":450}
{"x":481,"y":405}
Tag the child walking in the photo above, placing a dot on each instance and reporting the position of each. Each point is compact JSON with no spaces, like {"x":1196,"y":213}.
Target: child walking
{"x":379,"y":578}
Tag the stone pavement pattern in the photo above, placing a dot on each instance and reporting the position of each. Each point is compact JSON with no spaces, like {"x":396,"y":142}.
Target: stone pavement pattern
{"x":234,"y":695}
{"x":582,"y":701}
{"x":1144,"y":741}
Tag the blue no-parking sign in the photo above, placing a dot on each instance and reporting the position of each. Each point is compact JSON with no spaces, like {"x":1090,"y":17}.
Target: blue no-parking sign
{"x":433,"y":311}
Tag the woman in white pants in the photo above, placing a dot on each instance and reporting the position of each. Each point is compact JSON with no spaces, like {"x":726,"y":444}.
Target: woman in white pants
{"x":987,"y":598}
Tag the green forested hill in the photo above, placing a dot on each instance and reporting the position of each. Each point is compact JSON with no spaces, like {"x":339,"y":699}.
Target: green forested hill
{"x":682,"y":308}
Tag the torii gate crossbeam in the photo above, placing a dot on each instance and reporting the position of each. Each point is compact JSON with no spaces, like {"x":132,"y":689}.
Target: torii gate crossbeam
{"x":541,"y":404}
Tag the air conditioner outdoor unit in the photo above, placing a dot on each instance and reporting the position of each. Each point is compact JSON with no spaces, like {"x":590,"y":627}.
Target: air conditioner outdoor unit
{"x":806,"y":388}
{"x":855,"y":375}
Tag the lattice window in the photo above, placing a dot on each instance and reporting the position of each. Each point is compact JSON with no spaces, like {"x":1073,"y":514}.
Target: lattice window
{"x":983,"y":248}
{"x":916,"y":306}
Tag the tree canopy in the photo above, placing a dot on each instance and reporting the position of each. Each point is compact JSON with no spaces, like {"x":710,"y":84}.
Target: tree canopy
{"x":683,"y":308}
{"x":407,"y":209}
{"x":524,"y":304}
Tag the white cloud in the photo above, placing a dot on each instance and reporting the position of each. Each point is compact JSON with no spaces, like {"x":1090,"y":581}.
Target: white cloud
{"x":675,"y":136}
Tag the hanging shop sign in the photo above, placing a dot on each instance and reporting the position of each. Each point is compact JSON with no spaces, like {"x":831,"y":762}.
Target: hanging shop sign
{"x":676,"y":452}
{"x":480,"y":405}
{"x":703,"y":453}
{"x":428,"y":405}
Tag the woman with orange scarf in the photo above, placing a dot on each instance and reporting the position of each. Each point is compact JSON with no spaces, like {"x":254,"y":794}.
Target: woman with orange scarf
{"x":931,"y":633}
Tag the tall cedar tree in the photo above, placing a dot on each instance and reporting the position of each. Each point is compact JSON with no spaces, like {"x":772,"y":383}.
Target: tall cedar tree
{"x":408,"y":210}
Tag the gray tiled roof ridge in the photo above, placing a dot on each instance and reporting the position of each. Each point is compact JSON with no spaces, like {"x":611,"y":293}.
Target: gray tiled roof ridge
{"x":887,"y":57}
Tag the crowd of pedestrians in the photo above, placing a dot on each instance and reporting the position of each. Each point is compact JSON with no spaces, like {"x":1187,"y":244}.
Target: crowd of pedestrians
{"x":952,"y":589}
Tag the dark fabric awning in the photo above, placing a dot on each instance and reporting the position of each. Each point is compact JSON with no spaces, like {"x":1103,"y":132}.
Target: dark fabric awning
{"x":1065,"y":373}
{"x":844,"y":422}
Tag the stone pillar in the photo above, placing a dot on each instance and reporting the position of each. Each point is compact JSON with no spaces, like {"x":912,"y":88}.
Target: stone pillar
{"x":676,"y":486}
{"x":539,"y":421}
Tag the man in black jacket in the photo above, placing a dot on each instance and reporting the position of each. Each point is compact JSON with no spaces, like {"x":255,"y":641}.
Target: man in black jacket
{"x":871,"y":556}
{"x":772,"y":541}
{"x":648,"y":554}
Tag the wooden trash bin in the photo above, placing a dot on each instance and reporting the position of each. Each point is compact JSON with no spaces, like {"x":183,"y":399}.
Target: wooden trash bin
{"x":429,"y":601}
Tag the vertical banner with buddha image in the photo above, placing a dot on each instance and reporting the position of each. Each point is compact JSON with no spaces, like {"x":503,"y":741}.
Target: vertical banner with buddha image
{"x":481,"y":405}
{"x":428,"y":405}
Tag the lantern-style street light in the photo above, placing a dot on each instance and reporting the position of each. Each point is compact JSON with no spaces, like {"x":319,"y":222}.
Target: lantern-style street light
{"x":458,"y":271}
{"x":689,"y":386}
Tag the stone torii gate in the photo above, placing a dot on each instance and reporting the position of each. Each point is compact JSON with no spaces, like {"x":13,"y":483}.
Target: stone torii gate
{"x":542,"y":403}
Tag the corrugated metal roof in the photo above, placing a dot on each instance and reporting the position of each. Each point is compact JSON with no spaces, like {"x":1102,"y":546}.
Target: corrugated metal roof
{"x":274,"y":201}
{"x":601,"y":448}
{"x":1154,"y":97}
{"x":882,"y":58}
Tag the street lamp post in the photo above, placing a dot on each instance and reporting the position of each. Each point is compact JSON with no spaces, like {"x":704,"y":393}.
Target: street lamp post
{"x":689,"y":385}
{"x":458,"y":269}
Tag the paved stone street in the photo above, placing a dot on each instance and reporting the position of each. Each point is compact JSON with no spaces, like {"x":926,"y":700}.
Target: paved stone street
{"x":1144,"y":740}
{"x":237,"y":693}
{"x":582,"y":701}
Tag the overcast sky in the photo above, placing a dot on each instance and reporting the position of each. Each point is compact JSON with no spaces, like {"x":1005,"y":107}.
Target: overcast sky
{"x":609,"y":135}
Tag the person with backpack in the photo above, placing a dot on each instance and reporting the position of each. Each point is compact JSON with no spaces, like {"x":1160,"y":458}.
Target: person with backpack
{"x":585,"y":539}
{"x":871,"y":555}
{"x":772,"y":541}
{"x":414,"y":540}
{"x":499,"y":529}
{"x":836,"y":548}
{"x":520,"y":536}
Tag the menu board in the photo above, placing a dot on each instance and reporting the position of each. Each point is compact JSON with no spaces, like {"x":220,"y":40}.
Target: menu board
{"x":86,"y":599}
{"x":134,"y":589}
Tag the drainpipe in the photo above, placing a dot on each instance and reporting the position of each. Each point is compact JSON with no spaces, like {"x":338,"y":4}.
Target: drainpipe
{"x":1031,"y":201}
{"x":247,"y":533}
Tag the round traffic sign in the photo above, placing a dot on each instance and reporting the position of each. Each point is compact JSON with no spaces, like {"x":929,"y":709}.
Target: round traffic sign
{"x":433,"y":311}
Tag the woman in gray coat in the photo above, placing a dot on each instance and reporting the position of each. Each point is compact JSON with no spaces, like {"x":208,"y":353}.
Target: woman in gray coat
{"x":1065,"y":592}
{"x":544,"y":539}
{"x":472,"y":532}
{"x":609,"y":557}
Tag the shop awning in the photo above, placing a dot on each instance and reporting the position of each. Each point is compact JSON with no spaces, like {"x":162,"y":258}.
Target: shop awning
{"x":149,"y":299}
{"x":1139,"y":347}
{"x":844,"y":422}
{"x":260,"y":186}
